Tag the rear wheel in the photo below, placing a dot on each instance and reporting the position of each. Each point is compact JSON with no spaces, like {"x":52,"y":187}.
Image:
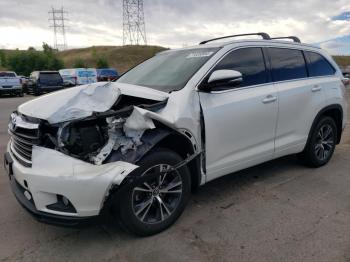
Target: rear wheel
{"x":321,"y":144}
{"x":158,"y":197}
{"x":36,"y":91}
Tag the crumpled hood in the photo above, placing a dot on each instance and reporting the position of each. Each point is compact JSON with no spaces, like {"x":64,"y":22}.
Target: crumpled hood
{"x":81,"y":101}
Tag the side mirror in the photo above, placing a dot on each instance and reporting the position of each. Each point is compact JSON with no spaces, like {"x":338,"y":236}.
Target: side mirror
{"x":224,"y":79}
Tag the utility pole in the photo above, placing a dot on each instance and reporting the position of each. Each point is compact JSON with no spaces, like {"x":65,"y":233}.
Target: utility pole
{"x":57,"y":22}
{"x":134,"y":29}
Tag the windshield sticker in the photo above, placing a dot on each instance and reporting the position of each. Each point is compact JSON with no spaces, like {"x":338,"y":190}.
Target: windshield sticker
{"x":199,"y":54}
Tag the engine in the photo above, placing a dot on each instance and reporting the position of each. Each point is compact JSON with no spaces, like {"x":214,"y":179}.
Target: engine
{"x":83,"y":139}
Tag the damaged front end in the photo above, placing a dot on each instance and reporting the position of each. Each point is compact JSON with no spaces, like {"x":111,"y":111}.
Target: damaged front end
{"x":108,"y":123}
{"x":119,"y":134}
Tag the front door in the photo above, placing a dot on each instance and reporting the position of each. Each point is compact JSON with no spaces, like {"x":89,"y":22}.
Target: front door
{"x":240,"y":122}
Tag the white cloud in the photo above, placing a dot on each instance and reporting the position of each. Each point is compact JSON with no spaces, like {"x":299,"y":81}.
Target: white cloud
{"x":173,"y":23}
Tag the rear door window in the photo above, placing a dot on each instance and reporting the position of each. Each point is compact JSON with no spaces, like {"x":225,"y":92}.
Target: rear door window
{"x":53,"y":77}
{"x":249,"y":62}
{"x":287,"y":64}
{"x":318,"y":65}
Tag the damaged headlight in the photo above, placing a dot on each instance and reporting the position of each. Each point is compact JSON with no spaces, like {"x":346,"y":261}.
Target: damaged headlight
{"x":94,"y":140}
{"x":82,"y":138}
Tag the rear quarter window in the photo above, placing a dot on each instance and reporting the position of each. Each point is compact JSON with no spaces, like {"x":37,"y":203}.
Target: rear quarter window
{"x":287,"y":64}
{"x":318,"y":65}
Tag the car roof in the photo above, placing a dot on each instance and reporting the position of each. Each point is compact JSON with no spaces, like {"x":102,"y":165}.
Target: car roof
{"x":243,"y":42}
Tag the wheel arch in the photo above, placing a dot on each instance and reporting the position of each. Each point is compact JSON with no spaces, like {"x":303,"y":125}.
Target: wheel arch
{"x":334,"y":111}
{"x":182,"y":145}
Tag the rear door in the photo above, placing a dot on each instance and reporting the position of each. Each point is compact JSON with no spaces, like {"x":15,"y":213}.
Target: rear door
{"x":86,"y":76}
{"x":322,"y":74}
{"x":300,"y":98}
{"x":240,"y":122}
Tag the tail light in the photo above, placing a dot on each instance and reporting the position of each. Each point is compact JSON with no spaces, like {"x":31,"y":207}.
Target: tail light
{"x":75,"y":80}
{"x":21,"y":81}
{"x":346,"y":81}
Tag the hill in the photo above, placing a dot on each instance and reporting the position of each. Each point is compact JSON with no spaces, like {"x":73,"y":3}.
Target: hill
{"x":342,"y":60}
{"x":120,"y":57}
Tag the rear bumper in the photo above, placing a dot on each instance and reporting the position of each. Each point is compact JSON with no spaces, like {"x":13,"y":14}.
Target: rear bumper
{"x":10,"y":90}
{"x":49,"y":88}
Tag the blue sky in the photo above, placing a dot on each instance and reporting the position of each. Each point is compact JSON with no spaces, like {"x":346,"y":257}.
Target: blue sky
{"x":339,"y":45}
{"x":345,"y":16}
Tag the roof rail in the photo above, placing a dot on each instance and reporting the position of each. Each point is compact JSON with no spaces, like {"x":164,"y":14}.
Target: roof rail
{"x":294,"y":38}
{"x":263,"y":35}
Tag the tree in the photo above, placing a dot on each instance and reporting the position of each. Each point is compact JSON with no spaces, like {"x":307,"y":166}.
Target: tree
{"x":102,"y":63}
{"x":80,"y":63}
{"x":24,"y":62}
{"x":2,"y":58}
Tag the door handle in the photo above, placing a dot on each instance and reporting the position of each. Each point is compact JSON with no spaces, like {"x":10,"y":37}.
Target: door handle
{"x":316,"y":88}
{"x":269,"y":99}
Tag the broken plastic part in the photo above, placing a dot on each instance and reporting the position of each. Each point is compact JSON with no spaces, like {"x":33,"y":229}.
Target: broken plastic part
{"x":123,"y":134}
{"x":183,"y":162}
{"x":136,"y":124}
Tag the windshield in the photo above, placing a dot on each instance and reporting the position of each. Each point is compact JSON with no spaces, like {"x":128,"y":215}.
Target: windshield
{"x":7,"y":74}
{"x":168,"y":71}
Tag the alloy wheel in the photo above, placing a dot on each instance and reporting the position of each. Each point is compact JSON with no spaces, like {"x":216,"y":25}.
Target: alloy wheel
{"x":325,"y":142}
{"x":157,"y":198}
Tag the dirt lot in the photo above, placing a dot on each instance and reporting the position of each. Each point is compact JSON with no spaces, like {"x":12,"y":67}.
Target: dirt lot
{"x":278,"y":211}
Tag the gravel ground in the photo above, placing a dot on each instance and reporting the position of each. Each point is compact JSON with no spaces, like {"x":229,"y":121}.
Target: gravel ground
{"x":278,"y":211}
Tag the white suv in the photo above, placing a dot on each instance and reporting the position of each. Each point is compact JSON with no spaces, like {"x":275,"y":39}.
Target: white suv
{"x":138,"y":146}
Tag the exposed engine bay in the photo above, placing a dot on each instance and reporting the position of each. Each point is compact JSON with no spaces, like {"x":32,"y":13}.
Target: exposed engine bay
{"x":120,"y":130}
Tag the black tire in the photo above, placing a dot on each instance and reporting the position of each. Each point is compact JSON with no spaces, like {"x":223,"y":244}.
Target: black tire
{"x":313,"y":155}
{"x":129,"y":195}
{"x":20,"y":94}
{"x":36,"y":91}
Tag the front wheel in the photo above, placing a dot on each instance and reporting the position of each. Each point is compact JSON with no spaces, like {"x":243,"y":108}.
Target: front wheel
{"x":155,"y":200}
{"x":321,"y":144}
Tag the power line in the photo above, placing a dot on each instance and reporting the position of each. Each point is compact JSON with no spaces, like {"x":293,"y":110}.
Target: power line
{"x":134,"y":28}
{"x":57,"y":22}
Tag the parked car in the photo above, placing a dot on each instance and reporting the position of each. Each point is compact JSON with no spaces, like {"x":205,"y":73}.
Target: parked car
{"x":106,"y":74}
{"x":79,"y":76}
{"x":10,"y":83}
{"x":138,"y":146}
{"x":44,"y":81}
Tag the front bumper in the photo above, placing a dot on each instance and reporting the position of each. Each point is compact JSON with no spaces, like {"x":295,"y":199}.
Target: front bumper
{"x":86,"y":186}
{"x":67,"y":221}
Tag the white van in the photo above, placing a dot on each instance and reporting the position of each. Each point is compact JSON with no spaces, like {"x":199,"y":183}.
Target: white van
{"x":79,"y":76}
